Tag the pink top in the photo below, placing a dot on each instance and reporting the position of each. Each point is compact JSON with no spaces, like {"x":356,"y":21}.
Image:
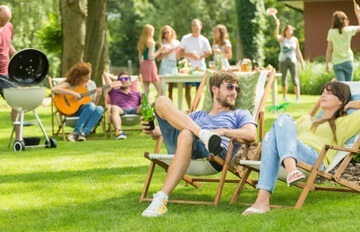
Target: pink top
{"x":6,"y":34}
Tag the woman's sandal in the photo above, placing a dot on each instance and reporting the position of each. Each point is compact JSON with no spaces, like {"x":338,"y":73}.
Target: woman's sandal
{"x":293,"y":177}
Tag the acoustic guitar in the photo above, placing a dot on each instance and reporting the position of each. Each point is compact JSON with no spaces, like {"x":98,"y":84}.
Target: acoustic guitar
{"x":68,"y":105}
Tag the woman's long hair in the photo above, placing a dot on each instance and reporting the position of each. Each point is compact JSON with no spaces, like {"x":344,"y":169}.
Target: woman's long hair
{"x":342,"y":91}
{"x":76,"y":72}
{"x":162,"y":33}
{"x":339,"y":20}
{"x":223,"y":35}
{"x":146,"y":37}
{"x":287,"y":27}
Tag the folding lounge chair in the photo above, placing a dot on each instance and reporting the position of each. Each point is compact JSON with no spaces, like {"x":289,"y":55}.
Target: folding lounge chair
{"x":61,"y":120}
{"x":252,"y":96}
{"x":341,"y":159}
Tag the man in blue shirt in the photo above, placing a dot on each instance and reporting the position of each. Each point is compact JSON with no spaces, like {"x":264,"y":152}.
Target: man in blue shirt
{"x":199,"y":134}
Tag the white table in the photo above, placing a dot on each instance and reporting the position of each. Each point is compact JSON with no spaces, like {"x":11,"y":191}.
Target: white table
{"x":179,"y":79}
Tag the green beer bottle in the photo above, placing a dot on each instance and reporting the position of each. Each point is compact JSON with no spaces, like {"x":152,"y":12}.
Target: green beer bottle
{"x":147,"y":111}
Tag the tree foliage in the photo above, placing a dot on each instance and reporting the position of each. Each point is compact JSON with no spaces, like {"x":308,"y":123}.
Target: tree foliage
{"x":251,"y":24}
{"x":28,"y":18}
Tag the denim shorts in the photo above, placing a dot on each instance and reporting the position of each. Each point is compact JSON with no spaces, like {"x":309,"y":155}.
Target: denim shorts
{"x":170,"y":136}
{"x":130,"y":111}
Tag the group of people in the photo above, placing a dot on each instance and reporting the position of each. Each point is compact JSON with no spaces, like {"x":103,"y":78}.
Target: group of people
{"x":300,"y":140}
{"x":194,"y":47}
{"x":121,"y":100}
{"x":201,"y":133}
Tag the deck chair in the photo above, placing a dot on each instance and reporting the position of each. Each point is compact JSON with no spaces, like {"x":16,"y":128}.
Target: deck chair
{"x":60,"y":121}
{"x":253,"y":95}
{"x":131,"y":122}
{"x":341,"y":160}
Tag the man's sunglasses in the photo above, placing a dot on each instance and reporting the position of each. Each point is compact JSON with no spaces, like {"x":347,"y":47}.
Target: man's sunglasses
{"x":123,"y":78}
{"x":231,"y":87}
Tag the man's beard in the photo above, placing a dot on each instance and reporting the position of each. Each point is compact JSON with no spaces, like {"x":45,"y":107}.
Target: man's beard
{"x":223,"y":101}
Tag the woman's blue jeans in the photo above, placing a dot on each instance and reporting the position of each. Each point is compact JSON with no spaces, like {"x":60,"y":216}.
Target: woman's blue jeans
{"x":280,"y":143}
{"x":89,"y":116}
{"x":344,"y":71}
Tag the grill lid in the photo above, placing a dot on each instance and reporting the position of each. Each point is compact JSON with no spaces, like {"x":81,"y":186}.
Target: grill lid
{"x":28,"y":67}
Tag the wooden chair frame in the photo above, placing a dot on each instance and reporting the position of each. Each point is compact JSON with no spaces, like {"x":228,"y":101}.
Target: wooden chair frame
{"x":226,"y":164}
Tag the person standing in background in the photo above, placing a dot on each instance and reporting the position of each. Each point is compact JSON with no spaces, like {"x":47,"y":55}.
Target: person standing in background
{"x":147,"y":54}
{"x":6,"y":51}
{"x":195,"y":47}
{"x":221,"y":46}
{"x":289,"y":50}
{"x":169,"y":55}
{"x":338,"y":49}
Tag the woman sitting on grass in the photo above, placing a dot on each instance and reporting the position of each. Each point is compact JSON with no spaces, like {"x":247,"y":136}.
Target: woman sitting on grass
{"x":289,"y":141}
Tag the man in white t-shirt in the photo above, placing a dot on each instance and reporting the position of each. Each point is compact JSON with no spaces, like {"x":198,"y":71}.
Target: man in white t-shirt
{"x":195,"y":47}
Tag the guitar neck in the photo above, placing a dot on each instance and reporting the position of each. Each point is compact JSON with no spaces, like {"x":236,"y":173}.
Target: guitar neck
{"x":94,"y":91}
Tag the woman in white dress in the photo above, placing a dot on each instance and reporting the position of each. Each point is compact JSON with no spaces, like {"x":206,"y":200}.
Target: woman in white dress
{"x":221,"y":47}
{"x":169,"y":55}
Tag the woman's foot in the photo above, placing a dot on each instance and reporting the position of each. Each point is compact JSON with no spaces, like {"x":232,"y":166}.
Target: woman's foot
{"x":256,"y":209}
{"x":293,"y":177}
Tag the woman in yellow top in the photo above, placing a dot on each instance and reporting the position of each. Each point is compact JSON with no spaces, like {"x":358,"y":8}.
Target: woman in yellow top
{"x":338,"y":50}
{"x":289,"y":141}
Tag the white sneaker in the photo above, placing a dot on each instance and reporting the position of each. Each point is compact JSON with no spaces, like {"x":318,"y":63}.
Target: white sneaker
{"x":157,"y":207}
{"x":211,"y":140}
{"x":72,"y":137}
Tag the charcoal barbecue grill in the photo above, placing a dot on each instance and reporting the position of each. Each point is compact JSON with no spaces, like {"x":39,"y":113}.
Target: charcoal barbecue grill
{"x":27,"y":68}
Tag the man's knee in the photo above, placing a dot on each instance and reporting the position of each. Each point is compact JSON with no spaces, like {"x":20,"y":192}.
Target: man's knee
{"x":99,"y":110}
{"x":116,"y":110}
{"x":186,"y":138}
{"x":161,"y":103}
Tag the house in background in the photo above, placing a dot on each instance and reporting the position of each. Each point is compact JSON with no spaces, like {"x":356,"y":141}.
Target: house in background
{"x":317,"y":21}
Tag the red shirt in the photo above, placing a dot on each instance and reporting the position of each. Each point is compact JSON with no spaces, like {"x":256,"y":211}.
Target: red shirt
{"x":6,"y":34}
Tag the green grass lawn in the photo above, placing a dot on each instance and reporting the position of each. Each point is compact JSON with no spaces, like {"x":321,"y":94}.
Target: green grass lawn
{"x":96,"y":185}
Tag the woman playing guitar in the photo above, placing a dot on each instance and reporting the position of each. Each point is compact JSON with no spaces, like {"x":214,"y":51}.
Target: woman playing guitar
{"x":73,"y":98}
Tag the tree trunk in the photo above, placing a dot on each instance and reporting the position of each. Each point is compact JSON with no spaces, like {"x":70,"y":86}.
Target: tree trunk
{"x":96,"y":46}
{"x":73,"y":19}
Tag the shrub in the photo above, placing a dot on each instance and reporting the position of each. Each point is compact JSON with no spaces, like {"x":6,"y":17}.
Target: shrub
{"x":313,"y":77}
